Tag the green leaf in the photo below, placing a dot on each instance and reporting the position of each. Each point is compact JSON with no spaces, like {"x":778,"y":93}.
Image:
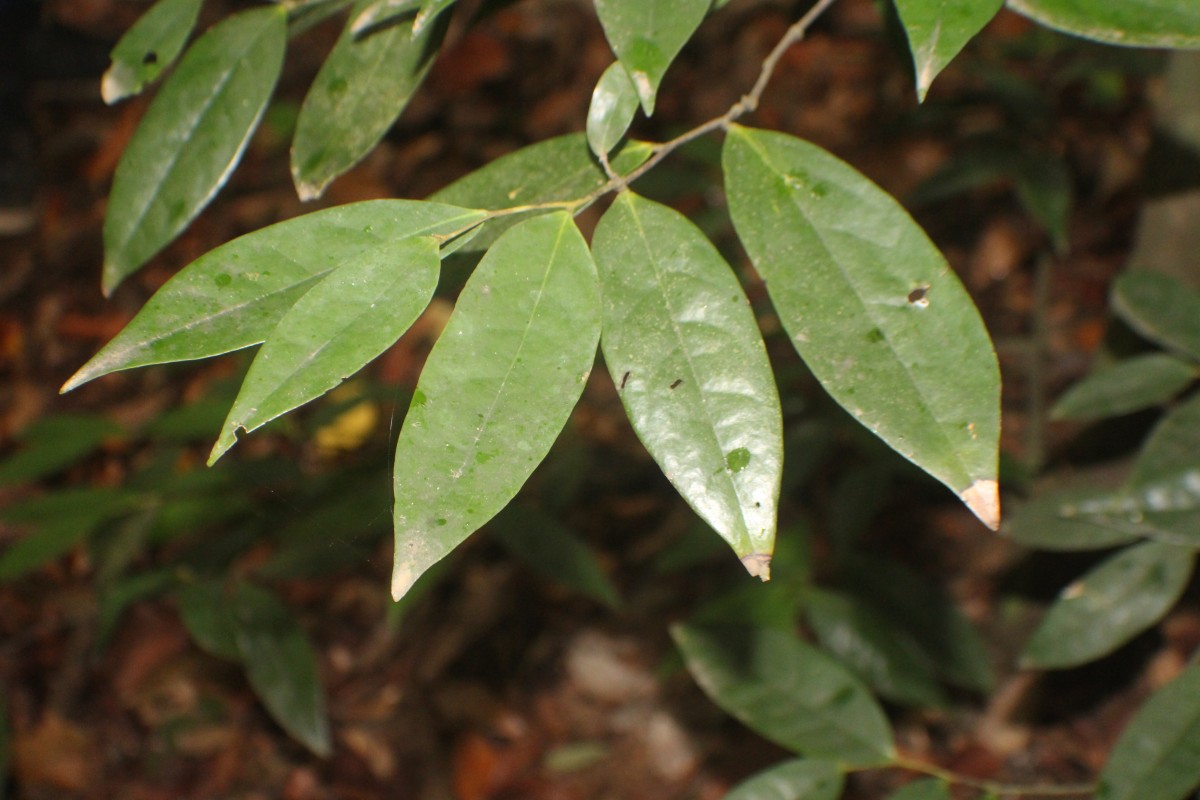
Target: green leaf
{"x":1133,"y":384}
{"x":1160,"y":308}
{"x":233,"y":296}
{"x":359,"y":92}
{"x":369,"y":16}
{"x":430,"y":10}
{"x":209,"y":618}
{"x":646,"y":35}
{"x":938,"y":29}
{"x":685,"y":352}
{"x":888,"y":660}
{"x":1132,"y":23}
{"x":350,"y":317}
{"x":1068,"y":517}
{"x":787,"y":691}
{"x":191,"y":138}
{"x":614,"y":102}
{"x":928,"y":789}
{"x":872,"y":308}
{"x":919,"y":610}
{"x":1158,"y":754}
{"x":553,"y":552}
{"x":557,"y":169}
{"x":1107,"y":607}
{"x":799,"y":779}
{"x":62,"y":518}
{"x":149,"y":47}
{"x":498,"y":387}
{"x":54,"y":443}
{"x":281,"y":666}
{"x":121,"y":594}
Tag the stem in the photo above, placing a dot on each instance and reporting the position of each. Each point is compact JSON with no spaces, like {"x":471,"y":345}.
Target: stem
{"x":1000,"y":789}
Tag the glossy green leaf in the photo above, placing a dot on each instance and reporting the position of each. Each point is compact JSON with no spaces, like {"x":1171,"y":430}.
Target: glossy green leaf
{"x":498,"y":387}
{"x":872,"y":307}
{"x":799,"y":779}
{"x":359,"y":92}
{"x":646,"y":35}
{"x":938,"y":29}
{"x":554,"y":552}
{"x":922,"y":612}
{"x":1068,"y":517}
{"x":614,"y":102}
{"x":233,"y":296}
{"x":558,"y":169}
{"x":354,"y":314}
{"x":149,"y":47}
{"x":58,"y":521}
{"x":1158,"y":754}
{"x":787,"y":691}
{"x":1132,"y":23}
{"x":887,"y":660}
{"x":928,"y":789}
{"x":1114,"y":602}
{"x":281,"y":666}
{"x":369,"y":16}
{"x":430,"y":10}
{"x":1160,"y":308}
{"x":685,"y":352}
{"x":54,"y":443}
{"x":209,"y":618}
{"x":192,"y":136}
{"x":1133,"y":384}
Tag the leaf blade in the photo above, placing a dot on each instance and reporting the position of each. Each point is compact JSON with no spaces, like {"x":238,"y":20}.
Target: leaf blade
{"x":1129,"y":385}
{"x":646,"y":35}
{"x":232,"y":297}
{"x":875,"y":311}
{"x":684,"y":348}
{"x":798,"y":779}
{"x":613,"y":105}
{"x":191,"y":138}
{"x":1148,"y":23}
{"x":148,"y":48}
{"x":338,"y":326}
{"x":938,"y":30}
{"x":787,"y":691}
{"x":360,"y":90}
{"x":508,"y":368}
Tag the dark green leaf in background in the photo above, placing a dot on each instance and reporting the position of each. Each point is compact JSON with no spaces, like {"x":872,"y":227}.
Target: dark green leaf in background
{"x":554,"y":552}
{"x":233,"y":296}
{"x":684,"y":349}
{"x":1065,"y":517}
{"x":1133,"y":23}
{"x":1114,"y":602}
{"x":348,"y":318}
{"x":361,"y":89}
{"x":1160,"y":308}
{"x":54,"y":443}
{"x":887,"y":659}
{"x":921,"y":611}
{"x":614,"y":103}
{"x":872,"y":307}
{"x":192,"y":137}
{"x":799,"y":779}
{"x":498,"y":387}
{"x":281,"y":666}
{"x":787,"y":691}
{"x":209,"y":618}
{"x":557,"y":169}
{"x":1158,"y":754}
{"x":149,"y":47}
{"x":57,"y":521}
{"x":938,"y":29}
{"x":646,"y":35}
{"x":1126,"y":386}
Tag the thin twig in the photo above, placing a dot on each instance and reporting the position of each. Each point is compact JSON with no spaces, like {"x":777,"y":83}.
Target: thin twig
{"x":992,"y":787}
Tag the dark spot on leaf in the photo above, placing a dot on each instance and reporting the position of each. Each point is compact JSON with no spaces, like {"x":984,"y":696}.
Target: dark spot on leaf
{"x":151,"y":57}
{"x":678,"y":382}
{"x":919,"y":296}
{"x":874,"y":336}
{"x":224,"y":279}
{"x":624,"y":378}
{"x":820,"y":189}
{"x":440,"y":521}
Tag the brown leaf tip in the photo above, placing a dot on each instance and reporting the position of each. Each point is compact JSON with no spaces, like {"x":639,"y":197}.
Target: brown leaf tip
{"x":758,"y":565}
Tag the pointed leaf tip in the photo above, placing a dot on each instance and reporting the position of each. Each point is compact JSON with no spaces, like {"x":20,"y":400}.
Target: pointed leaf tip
{"x":758,"y":565}
{"x":983,"y":498}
